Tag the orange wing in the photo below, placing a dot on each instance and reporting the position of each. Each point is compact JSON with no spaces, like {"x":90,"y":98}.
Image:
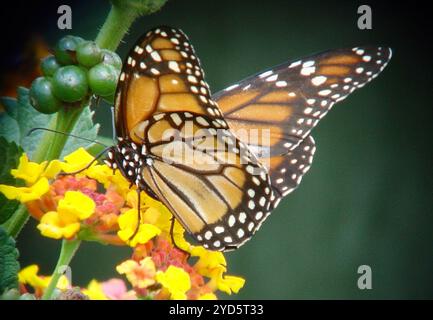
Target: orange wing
{"x":283,"y":104}
{"x":175,"y":145}
{"x":290,"y":99}
{"x":161,"y":74}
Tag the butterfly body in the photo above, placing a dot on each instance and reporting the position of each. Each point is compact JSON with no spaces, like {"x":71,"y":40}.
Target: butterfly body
{"x":183,"y":146}
{"x":131,"y":159}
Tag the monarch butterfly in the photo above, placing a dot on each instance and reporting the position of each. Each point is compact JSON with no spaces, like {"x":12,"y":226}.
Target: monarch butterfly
{"x":177,"y":142}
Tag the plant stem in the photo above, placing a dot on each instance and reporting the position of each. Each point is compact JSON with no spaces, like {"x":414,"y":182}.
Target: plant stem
{"x":45,"y":142}
{"x":115,"y":26}
{"x":66,"y":119}
{"x":69,"y":247}
{"x":14,"y":225}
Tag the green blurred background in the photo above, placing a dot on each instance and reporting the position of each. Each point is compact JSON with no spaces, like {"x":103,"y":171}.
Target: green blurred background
{"x":368,"y":196}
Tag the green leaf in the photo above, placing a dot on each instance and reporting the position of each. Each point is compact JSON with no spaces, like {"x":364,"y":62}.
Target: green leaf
{"x":9,"y":158}
{"x":84,"y":128}
{"x":20,"y":117}
{"x":9,"y":265}
{"x":9,"y":128}
{"x":10,"y":105}
{"x":28,"y":118}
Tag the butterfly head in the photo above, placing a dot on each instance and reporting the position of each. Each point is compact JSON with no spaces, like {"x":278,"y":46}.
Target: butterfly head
{"x":130,"y":158}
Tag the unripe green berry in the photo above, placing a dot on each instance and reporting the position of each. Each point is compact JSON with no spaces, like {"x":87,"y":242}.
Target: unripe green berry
{"x":103,"y":79}
{"x":49,"y":66}
{"x":42,"y":97}
{"x":78,"y":39}
{"x":112,"y":58}
{"x":88,"y":54}
{"x":70,"y":84}
{"x":65,"y":50}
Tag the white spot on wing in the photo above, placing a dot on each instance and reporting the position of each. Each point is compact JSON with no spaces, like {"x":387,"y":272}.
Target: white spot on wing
{"x":317,"y":81}
{"x":231,"y":87}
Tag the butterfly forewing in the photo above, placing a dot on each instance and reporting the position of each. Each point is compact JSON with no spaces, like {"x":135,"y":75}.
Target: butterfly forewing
{"x":161,"y":74}
{"x":182,"y":149}
{"x":291,"y":98}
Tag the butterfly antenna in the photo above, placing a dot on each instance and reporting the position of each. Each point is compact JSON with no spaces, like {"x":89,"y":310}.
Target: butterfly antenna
{"x":100,"y":154}
{"x":67,"y":134}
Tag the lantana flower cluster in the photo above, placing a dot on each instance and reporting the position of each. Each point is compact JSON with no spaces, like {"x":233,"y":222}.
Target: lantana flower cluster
{"x":71,"y":205}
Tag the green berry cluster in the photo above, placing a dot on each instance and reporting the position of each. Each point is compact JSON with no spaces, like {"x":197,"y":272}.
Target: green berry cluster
{"x":77,"y":69}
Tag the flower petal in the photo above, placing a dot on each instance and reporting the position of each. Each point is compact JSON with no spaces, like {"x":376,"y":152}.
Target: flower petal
{"x":28,"y":171}
{"x":76,"y":160}
{"x":176,"y":281}
{"x":26,"y":194}
{"x":145,"y":233}
{"x":208,"y":296}
{"x":53,"y":168}
{"x":231,"y":284}
{"x":51,"y":226}
{"x":78,"y":204}
{"x":95,"y":291}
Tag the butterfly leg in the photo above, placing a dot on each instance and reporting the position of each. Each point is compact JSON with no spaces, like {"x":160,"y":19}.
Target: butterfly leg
{"x":173,"y":220}
{"x":137,"y":227}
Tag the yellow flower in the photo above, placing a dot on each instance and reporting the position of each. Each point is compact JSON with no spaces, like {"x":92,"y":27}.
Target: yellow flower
{"x":228,"y":284}
{"x":212,"y":264}
{"x":29,"y":275}
{"x":76,"y":203}
{"x":176,"y":281}
{"x":65,"y":222}
{"x":208,"y":296}
{"x":208,"y":260}
{"x":94,"y":291}
{"x":52,"y":169}
{"x":140,"y":275}
{"x":26,"y":194}
{"x":231,"y":284}
{"x":36,"y":177}
{"x":28,"y":171}
{"x":53,"y":226}
{"x":155,"y":219}
{"x":104,"y":175}
{"x":76,"y":160}
{"x":128,"y":224}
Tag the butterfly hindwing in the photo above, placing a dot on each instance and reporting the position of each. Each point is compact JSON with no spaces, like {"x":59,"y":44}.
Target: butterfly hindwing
{"x":209,"y":179}
{"x":287,"y":171}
